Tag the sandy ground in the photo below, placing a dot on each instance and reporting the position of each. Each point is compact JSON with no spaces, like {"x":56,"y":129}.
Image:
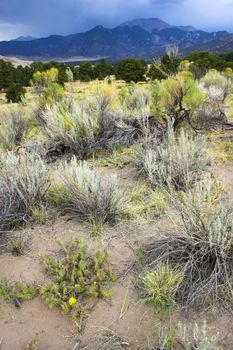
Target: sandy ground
{"x":125,"y":313}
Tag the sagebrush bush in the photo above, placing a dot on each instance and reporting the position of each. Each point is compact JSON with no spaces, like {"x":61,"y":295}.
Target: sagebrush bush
{"x":69,"y":123}
{"x":14,"y":127}
{"x":88,"y":196}
{"x":23,"y":182}
{"x":202,"y":244}
{"x":202,"y":340}
{"x":128,"y":120}
{"x":217,"y":87}
{"x":135,"y":100}
{"x":82,"y":127}
{"x":177,"y":162}
{"x":160,"y":285}
{"x":174,"y":338}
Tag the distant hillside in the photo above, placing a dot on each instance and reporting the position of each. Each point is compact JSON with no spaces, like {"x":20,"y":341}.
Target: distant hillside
{"x":24,"y":38}
{"x":142,"y":38}
{"x":222,"y":44}
{"x":16,"y":61}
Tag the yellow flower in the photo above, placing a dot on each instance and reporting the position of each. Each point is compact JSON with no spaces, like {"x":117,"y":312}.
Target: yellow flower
{"x":72,"y":301}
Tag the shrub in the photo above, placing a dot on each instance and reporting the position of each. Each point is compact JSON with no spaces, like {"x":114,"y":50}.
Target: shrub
{"x":88,"y":196}
{"x":15,"y":92}
{"x":47,"y":85}
{"x":119,"y":131}
{"x":179,"y":97}
{"x":160,"y":285}
{"x":15,"y":126}
{"x":74,"y":275}
{"x":217,"y":87}
{"x":135,"y":100}
{"x":202,"y":244}
{"x":172,"y":338}
{"x":175,"y":163}
{"x":70,"y":124}
{"x":202,"y":340}
{"x":23,"y":182}
{"x":51,"y":94}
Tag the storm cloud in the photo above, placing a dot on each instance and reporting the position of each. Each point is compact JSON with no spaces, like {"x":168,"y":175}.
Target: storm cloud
{"x":45,"y":17}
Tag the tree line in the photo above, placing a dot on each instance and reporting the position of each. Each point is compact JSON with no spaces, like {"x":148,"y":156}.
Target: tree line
{"x":14,"y":79}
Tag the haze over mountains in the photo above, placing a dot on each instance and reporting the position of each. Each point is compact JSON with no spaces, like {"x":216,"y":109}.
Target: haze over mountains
{"x":142,"y":38}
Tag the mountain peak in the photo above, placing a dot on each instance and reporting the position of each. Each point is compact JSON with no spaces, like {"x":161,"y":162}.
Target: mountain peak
{"x":148,"y":24}
{"x":24,"y":38}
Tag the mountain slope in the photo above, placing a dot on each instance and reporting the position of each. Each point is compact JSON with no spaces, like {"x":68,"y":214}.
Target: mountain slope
{"x":142,"y":38}
{"x":222,"y":44}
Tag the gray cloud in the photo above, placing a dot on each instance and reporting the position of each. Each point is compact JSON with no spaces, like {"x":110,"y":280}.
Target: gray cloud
{"x":45,"y":17}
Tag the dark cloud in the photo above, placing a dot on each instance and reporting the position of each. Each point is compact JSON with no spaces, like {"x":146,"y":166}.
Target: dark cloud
{"x":44,"y":17}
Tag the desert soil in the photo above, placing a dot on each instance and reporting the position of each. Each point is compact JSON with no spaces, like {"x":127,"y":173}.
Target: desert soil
{"x":125,"y":313}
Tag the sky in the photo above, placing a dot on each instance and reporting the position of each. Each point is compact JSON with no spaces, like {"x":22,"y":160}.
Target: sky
{"x":45,"y":17}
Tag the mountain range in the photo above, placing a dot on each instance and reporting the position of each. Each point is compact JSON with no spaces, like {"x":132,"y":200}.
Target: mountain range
{"x":141,"y":38}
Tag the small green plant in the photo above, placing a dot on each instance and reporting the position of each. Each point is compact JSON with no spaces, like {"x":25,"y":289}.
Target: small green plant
{"x":39,"y":214}
{"x":96,"y":227}
{"x":75,"y":275}
{"x":160,"y":285}
{"x":137,"y":192}
{"x":17,"y":246}
{"x":229,"y":150}
{"x":166,"y":337}
{"x":145,"y":204}
{"x":16,"y":292}
{"x":221,"y":150}
{"x":56,"y":195}
{"x":6,"y":292}
{"x":33,"y":343}
{"x":120,"y":157}
{"x":139,"y":254}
